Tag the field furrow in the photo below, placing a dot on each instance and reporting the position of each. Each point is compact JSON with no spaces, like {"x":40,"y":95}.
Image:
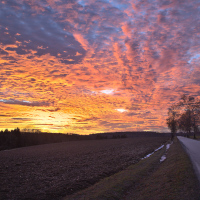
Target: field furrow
{"x":52,"y":171}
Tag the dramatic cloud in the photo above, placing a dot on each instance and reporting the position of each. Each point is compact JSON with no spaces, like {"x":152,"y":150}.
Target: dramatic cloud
{"x":25,"y":103}
{"x":92,"y":66}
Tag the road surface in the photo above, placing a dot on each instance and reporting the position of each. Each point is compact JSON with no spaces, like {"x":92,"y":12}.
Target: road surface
{"x":192,"y":147}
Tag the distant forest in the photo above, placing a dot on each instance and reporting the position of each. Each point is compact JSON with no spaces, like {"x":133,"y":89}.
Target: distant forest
{"x":17,"y":138}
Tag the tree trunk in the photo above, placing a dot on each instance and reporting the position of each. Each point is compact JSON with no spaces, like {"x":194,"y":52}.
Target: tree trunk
{"x":172,"y":136}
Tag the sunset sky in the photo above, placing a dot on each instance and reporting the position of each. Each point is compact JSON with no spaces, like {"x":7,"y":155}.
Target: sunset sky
{"x":88,"y":66}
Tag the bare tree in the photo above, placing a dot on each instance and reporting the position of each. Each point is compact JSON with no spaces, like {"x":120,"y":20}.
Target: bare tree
{"x":185,"y":122}
{"x":190,"y":111}
{"x":172,"y":121}
{"x":185,"y":115}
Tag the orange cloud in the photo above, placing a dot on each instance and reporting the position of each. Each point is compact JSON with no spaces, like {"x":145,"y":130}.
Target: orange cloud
{"x":59,"y":60}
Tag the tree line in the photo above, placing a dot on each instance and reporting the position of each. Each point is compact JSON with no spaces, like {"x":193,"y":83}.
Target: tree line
{"x":184,"y":116}
{"x":17,"y":138}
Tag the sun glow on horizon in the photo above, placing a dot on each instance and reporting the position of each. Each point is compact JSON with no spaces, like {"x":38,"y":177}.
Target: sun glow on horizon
{"x":121,"y":110}
{"x":111,"y":91}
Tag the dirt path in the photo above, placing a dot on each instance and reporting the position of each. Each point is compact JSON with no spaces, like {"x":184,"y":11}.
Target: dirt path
{"x":192,"y":147}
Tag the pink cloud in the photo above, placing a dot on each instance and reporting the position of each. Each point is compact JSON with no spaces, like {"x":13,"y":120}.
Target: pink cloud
{"x":66,"y":53}
{"x":81,"y":40}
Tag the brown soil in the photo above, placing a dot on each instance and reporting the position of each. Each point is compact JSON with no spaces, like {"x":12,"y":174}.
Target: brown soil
{"x":54,"y":170}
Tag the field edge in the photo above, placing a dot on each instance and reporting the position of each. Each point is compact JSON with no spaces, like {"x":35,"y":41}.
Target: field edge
{"x":172,"y":179}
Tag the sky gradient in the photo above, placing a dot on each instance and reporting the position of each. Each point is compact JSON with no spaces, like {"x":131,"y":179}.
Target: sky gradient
{"x":83,"y":67}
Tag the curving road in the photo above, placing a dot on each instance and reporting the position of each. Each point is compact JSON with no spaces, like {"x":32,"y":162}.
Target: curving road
{"x":192,"y":147}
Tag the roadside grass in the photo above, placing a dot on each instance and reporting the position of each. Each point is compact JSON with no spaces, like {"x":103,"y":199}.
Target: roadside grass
{"x":192,"y":137}
{"x":174,"y":179}
{"x":149,"y":179}
{"x":198,"y":137}
{"x":115,"y":186}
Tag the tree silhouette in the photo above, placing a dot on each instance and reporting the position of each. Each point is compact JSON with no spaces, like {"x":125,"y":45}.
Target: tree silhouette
{"x":172,"y":121}
{"x":189,"y":120}
{"x":185,"y":116}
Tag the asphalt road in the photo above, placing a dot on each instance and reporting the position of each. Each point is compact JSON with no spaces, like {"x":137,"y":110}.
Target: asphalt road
{"x":192,"y":147}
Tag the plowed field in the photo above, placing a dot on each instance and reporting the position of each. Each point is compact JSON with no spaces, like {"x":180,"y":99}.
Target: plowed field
{"x":54,"y":170}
